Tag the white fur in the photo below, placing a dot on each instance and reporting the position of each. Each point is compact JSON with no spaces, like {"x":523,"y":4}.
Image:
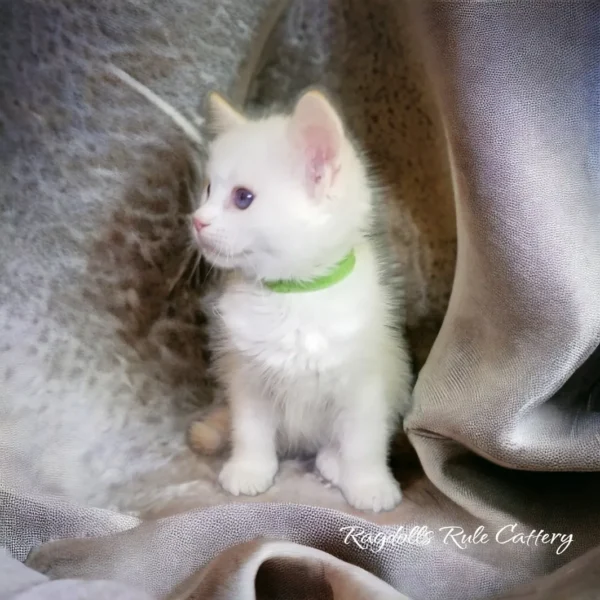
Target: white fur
{"x":323,"y":371}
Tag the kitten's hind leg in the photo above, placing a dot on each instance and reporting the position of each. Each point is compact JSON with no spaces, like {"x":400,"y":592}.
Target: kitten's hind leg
{"x":328,"y":464}
{"x":208,"y":433}
{"x":253,"y":463}
{"x":365,"y":478}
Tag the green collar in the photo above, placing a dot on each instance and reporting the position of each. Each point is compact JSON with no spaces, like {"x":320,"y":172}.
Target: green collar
{"x":339,"y":272}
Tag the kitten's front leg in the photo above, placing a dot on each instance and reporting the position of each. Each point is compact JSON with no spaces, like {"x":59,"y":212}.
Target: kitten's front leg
{"x":253,"y":463}
{"x":364,"y":433}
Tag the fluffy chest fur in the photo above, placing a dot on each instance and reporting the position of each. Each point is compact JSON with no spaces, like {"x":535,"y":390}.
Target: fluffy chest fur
{"x":306,"y":334}
{"x":305,"y":351}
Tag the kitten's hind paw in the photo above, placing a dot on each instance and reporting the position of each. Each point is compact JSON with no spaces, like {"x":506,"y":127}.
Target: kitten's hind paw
{"x":247,"y":477}
{"x":376,"y":492}
{"x":328,"y":465}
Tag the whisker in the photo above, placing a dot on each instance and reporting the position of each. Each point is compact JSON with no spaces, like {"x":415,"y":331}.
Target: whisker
{"x":210,"y":268}
{"x":216,"y":312}
{"x":220,"y":248}
{"x":196,"y":266}
{"x":181,"y":271}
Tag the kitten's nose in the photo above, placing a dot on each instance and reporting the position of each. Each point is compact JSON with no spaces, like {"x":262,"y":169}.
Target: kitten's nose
{"x":199,"y":224}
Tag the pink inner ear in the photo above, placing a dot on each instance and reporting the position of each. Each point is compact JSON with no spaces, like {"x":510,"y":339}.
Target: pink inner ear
{"x":320,"y":152}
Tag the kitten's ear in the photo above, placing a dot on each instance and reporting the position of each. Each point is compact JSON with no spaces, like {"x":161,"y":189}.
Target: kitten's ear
{"x":223,"y":116}
{"x":318,"y":132}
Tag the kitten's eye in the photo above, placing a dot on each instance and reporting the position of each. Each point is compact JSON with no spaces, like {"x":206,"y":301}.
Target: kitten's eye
{"x":242,"y":198}
{"x":208,"y":190}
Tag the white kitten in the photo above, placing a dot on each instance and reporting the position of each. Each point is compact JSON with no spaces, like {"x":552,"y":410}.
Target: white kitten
{"x":323,"y":368}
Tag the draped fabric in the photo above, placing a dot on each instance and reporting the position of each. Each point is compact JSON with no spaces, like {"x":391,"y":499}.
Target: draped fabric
{"x":506,"y":414}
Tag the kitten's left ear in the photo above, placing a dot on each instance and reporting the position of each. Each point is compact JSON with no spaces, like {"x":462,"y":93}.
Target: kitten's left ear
{"x":223,"y":116}
{"x":318,"y":132}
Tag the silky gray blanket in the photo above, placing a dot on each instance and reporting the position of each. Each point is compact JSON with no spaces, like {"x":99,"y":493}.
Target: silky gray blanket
{"x":482,"y":120}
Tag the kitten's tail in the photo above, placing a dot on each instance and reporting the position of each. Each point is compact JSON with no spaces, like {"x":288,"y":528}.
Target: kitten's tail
{"x":210,"y":435}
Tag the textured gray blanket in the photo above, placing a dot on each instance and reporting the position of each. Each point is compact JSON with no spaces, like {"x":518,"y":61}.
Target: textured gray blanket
{"x":488,"y":107}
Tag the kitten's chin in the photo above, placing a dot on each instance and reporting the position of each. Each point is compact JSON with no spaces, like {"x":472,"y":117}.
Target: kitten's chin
{"x":221,"y":260}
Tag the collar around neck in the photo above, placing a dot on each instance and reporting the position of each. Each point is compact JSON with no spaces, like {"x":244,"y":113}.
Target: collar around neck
{"x":339,"y":272}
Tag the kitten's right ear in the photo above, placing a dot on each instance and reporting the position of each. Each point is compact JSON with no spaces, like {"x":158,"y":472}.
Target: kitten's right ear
{"x":222,"y":116}
{"x":317,"y":130}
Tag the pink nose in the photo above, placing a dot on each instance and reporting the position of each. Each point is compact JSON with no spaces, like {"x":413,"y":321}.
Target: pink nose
{"x":198,"y":224}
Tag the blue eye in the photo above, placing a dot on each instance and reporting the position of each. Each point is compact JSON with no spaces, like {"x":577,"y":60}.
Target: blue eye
{"x":242,"y":198}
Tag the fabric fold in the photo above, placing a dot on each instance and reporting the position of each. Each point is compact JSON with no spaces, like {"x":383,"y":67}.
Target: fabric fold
{"x":505,"y":420}
{"x":280,"y":569}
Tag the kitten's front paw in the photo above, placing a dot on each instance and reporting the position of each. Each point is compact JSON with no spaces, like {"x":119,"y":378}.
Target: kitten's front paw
{"x":247,"y":477}
{"x":376,"y":492}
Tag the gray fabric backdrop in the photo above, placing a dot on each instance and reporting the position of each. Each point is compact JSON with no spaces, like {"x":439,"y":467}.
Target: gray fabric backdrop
{"x":506,"y":420}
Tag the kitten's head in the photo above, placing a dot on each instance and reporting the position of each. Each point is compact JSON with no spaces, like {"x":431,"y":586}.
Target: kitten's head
{"x":286,"y":195}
